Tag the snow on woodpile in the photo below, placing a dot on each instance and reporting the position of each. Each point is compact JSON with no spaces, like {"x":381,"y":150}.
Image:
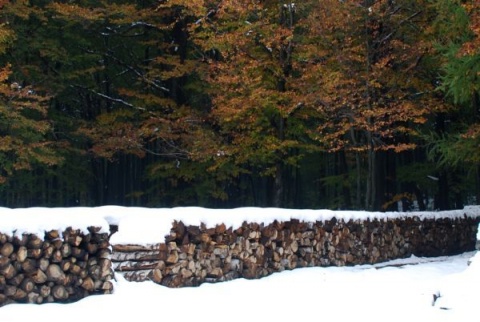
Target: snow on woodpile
{"x":37,"y":221}
{"x":149,"y":226}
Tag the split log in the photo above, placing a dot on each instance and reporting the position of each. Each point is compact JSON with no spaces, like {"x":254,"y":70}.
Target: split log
{"x":52,"y":235}
{"x":55,"y":274}
{"x":75,"y":240}
{"x":19,"y":295}
{"x":39,"y":277}
{"x":186,"y":273}
{"x":45,"y":291}
{"x":4,"y":262}
{"x":76,"y":269}
{"x":28,"y":285}
{"x":107,"y":287}
{"x":215,"y":273}
{"x":156,"y":275}
{"x":172,"y":258}
{"x":65,"y":265}
{"x":105,"y":268}
{"x":29,"y":265}
{"x":22,"y":254}
{"x":34,"y":242}
{"x":60,"y":292}
{"x":88,"y":284}
{"x":66,"y":250}
{"x":43,"y":264}
{"x":7,"y":249}
{"x":9,"y":271}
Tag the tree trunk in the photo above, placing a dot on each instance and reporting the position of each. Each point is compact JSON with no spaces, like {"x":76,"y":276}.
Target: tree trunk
{"x":476,"y":114}
{"x":441,"y":198}
{"x":371,"y":187}
{"x":343,"y":171}
{"x":477,"y":185}
{"x":277,"y":200}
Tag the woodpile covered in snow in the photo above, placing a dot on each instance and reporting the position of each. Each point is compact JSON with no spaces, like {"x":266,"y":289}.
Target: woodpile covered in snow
{"x":61,"y":266}
{"x":192,"y":255}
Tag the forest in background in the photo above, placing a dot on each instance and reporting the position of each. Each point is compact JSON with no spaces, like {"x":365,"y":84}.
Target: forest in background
{"x":340,"y":104}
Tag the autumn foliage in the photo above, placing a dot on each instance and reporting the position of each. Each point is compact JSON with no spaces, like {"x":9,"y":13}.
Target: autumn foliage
{"x":233,"y":103}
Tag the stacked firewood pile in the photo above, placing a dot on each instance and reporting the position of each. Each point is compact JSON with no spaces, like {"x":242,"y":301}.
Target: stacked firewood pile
{"x":59,"y":267}
{"x":192,"y":255}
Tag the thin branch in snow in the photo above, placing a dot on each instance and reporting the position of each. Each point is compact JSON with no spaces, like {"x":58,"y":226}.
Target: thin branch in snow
{"x":111,"y":99}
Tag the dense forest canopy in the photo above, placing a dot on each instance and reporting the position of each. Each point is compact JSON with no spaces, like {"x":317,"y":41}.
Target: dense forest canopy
{"x":349,"y":104}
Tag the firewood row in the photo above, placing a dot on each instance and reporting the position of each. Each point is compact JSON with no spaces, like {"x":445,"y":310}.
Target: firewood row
{"x":192,"y":255}
{"x":58,"y":267}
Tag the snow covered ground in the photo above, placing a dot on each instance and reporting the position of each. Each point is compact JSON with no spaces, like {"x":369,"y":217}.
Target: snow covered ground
{"x":399,"y":290}
{"x":362,"y":293}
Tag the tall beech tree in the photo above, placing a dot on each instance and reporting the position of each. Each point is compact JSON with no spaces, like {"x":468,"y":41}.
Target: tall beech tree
{"x":370,"y":85}
{"x":259,"y":112}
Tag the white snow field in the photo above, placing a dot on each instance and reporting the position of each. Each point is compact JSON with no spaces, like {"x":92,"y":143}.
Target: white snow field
{"x":399,"y":290}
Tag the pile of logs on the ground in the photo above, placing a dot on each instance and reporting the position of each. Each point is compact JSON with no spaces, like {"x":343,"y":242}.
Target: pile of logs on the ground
{"x":193,"y":255}
{"x":135,"y":262}
{"x":58,"y":267}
